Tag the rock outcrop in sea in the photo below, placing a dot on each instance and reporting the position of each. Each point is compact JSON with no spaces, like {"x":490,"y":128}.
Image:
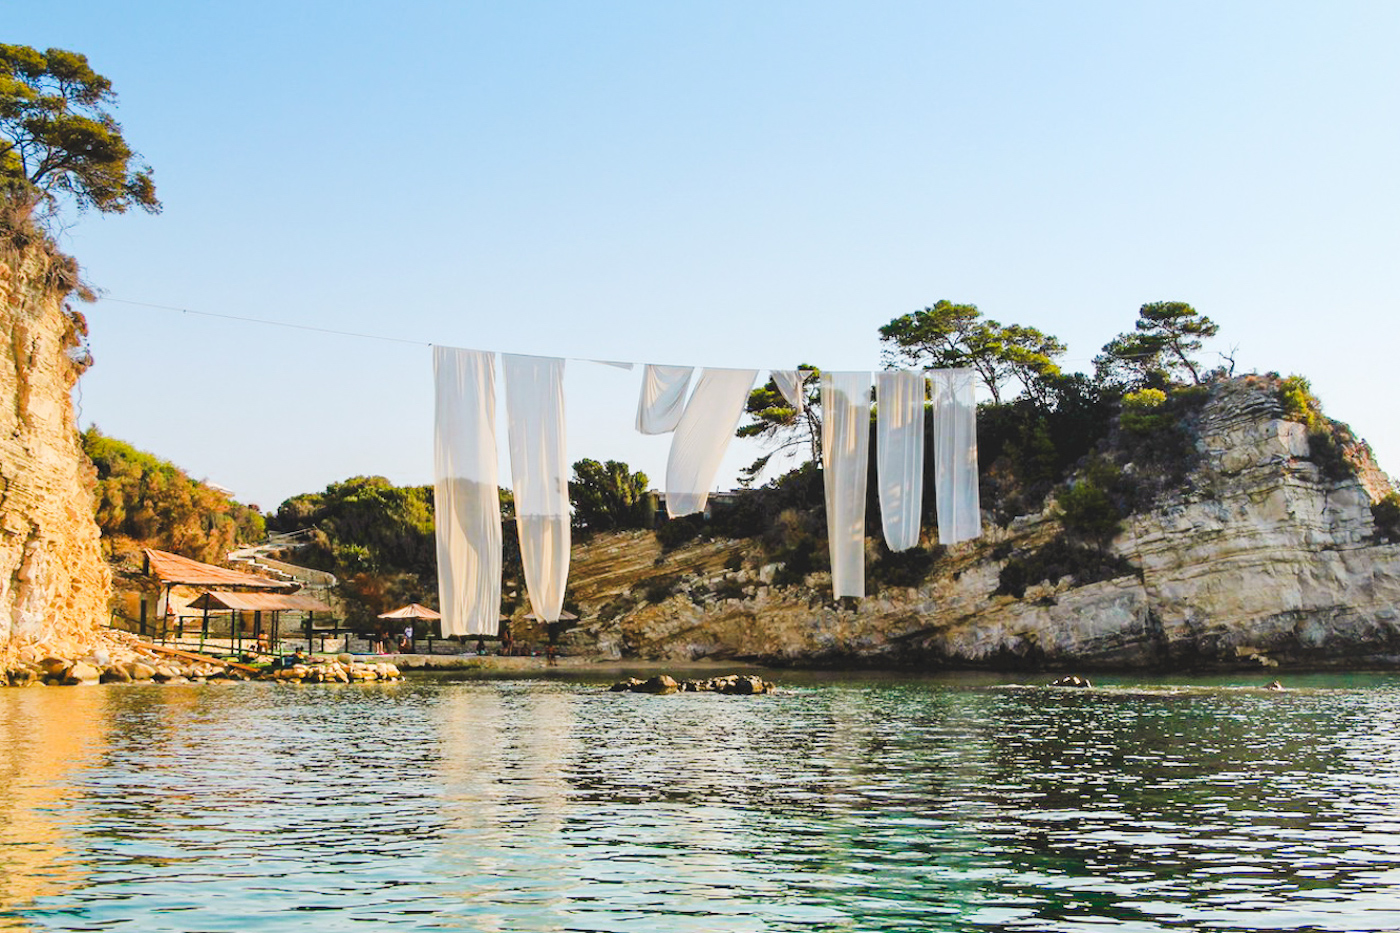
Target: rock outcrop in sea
{"x":1260,"y":558}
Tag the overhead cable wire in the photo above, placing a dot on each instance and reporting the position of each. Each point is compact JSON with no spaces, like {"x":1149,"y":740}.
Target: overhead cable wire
{"x":256,"y":320}
{"x":425,"y":343}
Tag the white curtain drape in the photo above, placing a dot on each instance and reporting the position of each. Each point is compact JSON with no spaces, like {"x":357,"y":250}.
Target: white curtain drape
{"x":662,"y":399}
{"x":539,"y":476}
{"x":899,"y":455}
{"x":955,"y":455}
{"x":703,"y":435}
{"x":466,"y":491}
{"x":845,"y":463}
{"x":789,"y":382}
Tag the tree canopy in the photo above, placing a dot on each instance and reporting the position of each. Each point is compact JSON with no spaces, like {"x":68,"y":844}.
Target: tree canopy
{"x":774,"y":420}
{"x":951,"y":336}
{"x":57,"y":139}
{"x":150,"y":502}
{"x":609,"y":497}
{"x":1159,"y":348}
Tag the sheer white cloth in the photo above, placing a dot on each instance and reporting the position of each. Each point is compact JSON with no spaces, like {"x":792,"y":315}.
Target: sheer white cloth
{"x":662,"y":401}
{"x":789,"y":382}
{"x":845,"y":463}
{"x":539,"y":477}
{"x":466,"y":491}
{"x":899,"y":455}
{"x":703,"y":435}
{"x":955,"y":455}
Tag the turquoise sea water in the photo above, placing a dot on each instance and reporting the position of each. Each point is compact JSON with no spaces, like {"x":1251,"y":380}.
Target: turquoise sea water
{"x":853,"y":803}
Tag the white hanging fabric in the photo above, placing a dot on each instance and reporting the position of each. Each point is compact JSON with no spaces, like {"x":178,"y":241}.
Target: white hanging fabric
{"x":845,"y":463}
{"x":539,"y":477}
{"x":789,"y":382}
{"x":703,"y":435}
{"x":899,"y":455}
{"x":466,"y":491}
{"x":615,"y":364}
{"x":662,"y":400}
{"x":955,"y":455}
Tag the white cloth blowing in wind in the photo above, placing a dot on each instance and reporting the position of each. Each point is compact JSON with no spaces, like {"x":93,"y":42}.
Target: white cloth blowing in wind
{"x":539,"y":477}
{"x":845,"y":463}
{"x":466,"y":491}
{"x":789,"y":383}
{"x":955,"y":455}
{"x":899,"y":455}
{"x":662,"y":399}
{"x":703,"y":435}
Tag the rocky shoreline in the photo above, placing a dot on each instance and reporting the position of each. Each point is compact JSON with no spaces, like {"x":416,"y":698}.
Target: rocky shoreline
{"x":118,"y":657}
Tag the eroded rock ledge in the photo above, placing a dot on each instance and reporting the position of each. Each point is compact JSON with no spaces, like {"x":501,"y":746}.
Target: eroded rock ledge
{"x":1258,"y":561}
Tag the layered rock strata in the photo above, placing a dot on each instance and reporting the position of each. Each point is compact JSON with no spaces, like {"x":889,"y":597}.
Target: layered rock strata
{"x":54,"y":584}
{"x":1257,"y":561}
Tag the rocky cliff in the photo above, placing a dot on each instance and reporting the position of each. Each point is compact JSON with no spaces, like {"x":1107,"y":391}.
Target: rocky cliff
{"x":1258,"y":559}
{"x":54,"y":585}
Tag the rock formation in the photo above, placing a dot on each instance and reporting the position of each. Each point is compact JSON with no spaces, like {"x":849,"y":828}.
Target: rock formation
{"x":1257,"y":560}
{"x":54,"y":585}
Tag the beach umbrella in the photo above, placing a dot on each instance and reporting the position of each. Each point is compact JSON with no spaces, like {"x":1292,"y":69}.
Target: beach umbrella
{"x":411,"y":611}
{"x":414,"y":611}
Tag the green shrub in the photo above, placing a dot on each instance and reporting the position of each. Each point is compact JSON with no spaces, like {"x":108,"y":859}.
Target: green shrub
{"x":797,"y":561}
{"x":1299,"y":404}
{"x":672,"y":534}
{"x":1328,"y":451}
{"x":1327,"y":439}
{"x":1086,"y":509}
{"x":902,"y":568}
{"x":1143,"y":412}
{"x":660,"y":589}
{"x":729,"y":589}
{"x":1386,"y":515}
{"x":1056,"y":559}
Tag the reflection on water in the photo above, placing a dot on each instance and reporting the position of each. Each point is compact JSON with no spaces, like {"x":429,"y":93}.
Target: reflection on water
{"x":838,"y":804}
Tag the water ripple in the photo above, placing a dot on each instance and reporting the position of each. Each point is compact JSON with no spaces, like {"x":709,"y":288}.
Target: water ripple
{"x":839,"y":804}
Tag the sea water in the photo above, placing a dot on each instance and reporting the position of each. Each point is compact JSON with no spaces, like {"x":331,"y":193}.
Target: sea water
{"x":840,"y":802}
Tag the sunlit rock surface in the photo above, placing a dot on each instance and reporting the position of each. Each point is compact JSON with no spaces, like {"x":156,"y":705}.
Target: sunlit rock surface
{"x":1257,"y":561}
{"x":54,"y":584}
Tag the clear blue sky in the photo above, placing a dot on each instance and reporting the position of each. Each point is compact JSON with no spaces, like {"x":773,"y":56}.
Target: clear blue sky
{"x":726,"y":184}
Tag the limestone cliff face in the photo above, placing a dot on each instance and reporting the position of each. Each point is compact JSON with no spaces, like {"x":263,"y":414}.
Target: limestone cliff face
{"x":1257,"y":561}
{"x":54,"y":585}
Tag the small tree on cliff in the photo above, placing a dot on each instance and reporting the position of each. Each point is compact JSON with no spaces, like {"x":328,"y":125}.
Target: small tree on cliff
{"x":775,"y":422}
{"x":57,"y":140}
{"x":950,"y":336}
{"x":1161,"y":345}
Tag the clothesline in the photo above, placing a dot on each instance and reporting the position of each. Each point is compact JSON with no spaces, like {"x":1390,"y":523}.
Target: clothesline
{"x":702,"y":421}
{"x":267,"y":322}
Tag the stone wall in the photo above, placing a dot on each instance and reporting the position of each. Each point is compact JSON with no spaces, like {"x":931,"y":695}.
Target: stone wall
{"x":54,"y":585}
{"x":1257,"y":561}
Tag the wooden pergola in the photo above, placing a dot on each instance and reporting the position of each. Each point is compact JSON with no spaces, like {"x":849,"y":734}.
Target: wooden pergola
{"x":171,"y":570}
{"x":258,"y":603}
